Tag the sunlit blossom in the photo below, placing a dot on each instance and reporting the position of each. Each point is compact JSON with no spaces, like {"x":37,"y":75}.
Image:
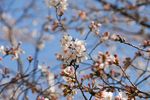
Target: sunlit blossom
{"x":73,"y":50}
{"x":61,"y":5}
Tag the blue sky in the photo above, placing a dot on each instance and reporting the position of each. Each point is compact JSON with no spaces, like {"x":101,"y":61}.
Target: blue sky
{"x":47,"y":55}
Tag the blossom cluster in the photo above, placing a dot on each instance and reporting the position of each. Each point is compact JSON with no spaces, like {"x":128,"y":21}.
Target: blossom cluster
{"x":14,"y":51}
{"x":105,"y":95}
{"x":105,"y":59}
{"x":68,"y":74}
{"x":94,"y":27}
{"x":61,"y":5}
{"x":74,"y":51}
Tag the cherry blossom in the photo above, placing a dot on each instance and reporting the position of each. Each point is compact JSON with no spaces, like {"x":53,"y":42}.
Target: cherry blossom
{"x":103,"y":60}
{"x":68,"y":74}
{"x":94,"y":27}
{"x":14,"y":51}
{"x":104,"y":95}
{"x":61,"y":5}
{"x":121,"y":96}
{"x":74,"y":50}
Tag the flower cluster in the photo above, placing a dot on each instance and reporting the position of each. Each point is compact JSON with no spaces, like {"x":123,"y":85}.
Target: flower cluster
{"x":121,"y":96}
{"x":68,"y":90}
{"x":94,"y":27}
{"x":61,"y":5}
{"x":105,"y":59}
{"x":68,"y":74}
{"x":74,"y":51}
{"x":105,"y":95}
{"x":14,"y":51}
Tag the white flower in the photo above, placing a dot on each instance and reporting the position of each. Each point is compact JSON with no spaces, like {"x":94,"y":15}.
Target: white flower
{"x":73,"y":49}
{"x":114,"y":37}
{"x":80,"y":46}
{"x":106,"y":95}
{"x":109,"y":96}
{"x":102,"y":65}
{"x":63,"y":5}
{"x":69,"y":70}
{"x":69,"y":74}
{"x":60,"y":4}
{"x":66,"y":41}
{"x":121,"y":96}
{"x":46,"y":99}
